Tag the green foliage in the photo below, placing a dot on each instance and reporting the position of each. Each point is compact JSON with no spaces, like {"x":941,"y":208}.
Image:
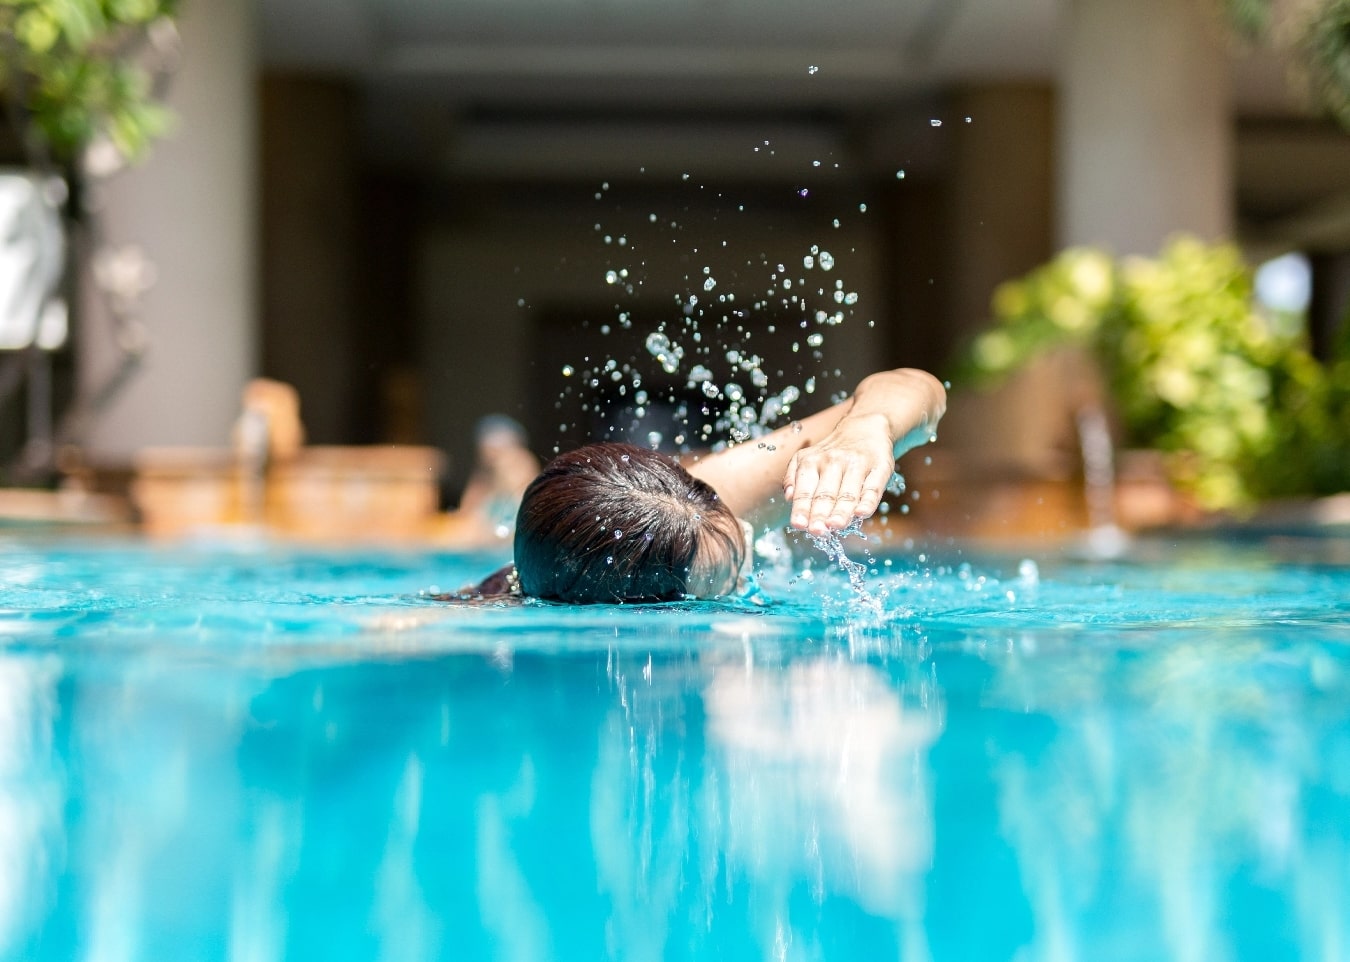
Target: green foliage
{"x":1309,"y":450}
{"x":69,"y":67}
{"x":1324,"y":48}
{"x":1316,"y":34}
{"x":1250,"y":18}
{"x":1195,"y":368}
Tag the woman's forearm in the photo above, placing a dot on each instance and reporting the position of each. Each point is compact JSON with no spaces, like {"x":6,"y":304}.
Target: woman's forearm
{"x":910,"y":403}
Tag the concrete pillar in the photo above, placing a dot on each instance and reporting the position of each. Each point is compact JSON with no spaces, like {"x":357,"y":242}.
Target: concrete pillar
{"x":1145,"y":135}
{"x":191,"y":207}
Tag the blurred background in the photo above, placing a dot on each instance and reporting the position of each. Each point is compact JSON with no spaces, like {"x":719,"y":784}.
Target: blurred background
{"x":407,"y":209}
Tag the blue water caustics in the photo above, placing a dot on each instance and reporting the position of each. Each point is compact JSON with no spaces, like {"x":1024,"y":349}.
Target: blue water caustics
{"x":251,"y":753}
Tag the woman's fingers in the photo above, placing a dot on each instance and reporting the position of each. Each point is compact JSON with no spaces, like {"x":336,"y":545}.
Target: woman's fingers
{"x":800,"y":487}
{"x":828,"y":489}
{"x":872,"y":489}
{"x":814,"y":491}
{"x":825,"y":502}
{"x":848,"y":499}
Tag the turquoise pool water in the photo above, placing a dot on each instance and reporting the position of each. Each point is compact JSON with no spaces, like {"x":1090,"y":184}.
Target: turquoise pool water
{"x":252,"y":753}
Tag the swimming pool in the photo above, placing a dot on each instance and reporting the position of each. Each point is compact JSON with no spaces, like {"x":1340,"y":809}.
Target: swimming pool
{"x":247,"y":752}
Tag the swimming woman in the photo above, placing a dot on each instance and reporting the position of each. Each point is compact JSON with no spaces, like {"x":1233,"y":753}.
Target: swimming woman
{"x":618,"y":523}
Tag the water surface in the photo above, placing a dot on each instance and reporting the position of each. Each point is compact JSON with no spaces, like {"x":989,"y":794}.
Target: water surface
{"x":253,"y":753}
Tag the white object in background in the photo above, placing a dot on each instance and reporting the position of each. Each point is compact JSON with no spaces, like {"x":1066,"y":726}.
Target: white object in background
{"x":32,"y":256}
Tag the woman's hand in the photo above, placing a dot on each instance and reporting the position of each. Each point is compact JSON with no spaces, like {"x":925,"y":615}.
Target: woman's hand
{"x":840,"y":478}
{"x":843,"y":476}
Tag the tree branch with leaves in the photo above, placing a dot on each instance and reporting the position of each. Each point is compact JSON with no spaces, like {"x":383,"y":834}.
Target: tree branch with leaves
{"x":75,"y":72}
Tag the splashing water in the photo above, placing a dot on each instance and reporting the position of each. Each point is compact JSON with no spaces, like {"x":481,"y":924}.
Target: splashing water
{"x":832,"y":544}
{"x":667,"y":353}
{"x":722,"y":307}
{"x":727,"y":388}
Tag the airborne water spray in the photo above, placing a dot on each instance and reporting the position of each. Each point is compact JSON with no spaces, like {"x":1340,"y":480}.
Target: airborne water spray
{"x":722,"y":349}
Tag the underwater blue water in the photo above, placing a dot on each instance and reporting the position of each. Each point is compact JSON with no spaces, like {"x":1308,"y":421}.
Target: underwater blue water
{"x":243,"y":752}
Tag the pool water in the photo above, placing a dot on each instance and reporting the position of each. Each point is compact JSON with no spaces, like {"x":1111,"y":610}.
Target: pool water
{"x":243,"y":752}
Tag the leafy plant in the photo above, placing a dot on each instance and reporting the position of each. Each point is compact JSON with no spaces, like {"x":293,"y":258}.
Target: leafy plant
{"x":1196,"y":368}
{"x":1315,"y":33}
{"x":71,"y":72}
{"x":1324,"y":46}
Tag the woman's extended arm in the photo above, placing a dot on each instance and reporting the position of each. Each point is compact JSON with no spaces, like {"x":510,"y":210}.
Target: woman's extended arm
{"x":834,"y":465}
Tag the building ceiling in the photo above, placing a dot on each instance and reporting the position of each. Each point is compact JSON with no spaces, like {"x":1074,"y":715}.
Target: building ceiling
{"x":517,"y":87}
{"x":639,"y":51}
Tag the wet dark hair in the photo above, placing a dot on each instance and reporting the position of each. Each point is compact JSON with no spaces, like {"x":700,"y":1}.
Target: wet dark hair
{"x":616,"y":523}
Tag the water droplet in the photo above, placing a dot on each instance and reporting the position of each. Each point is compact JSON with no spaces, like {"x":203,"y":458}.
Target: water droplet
{"x":611,"y":277}
{"x":568,"y":370}
{"x":862,"y":208}
{"x":710,"y":283}
{"x":815,"y":340}
{"x":808,"y":262}
{"x":900,"y":175}
{"x":826,"y":261}
{"x":812,"y":69}
{"x":935,"y":122}
{"x":967,"y":120}
{"x":803,"y":192}
{"x":617,"y":534}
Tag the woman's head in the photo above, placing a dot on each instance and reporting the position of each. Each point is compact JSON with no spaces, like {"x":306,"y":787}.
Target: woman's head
{"x":614,"y":522}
